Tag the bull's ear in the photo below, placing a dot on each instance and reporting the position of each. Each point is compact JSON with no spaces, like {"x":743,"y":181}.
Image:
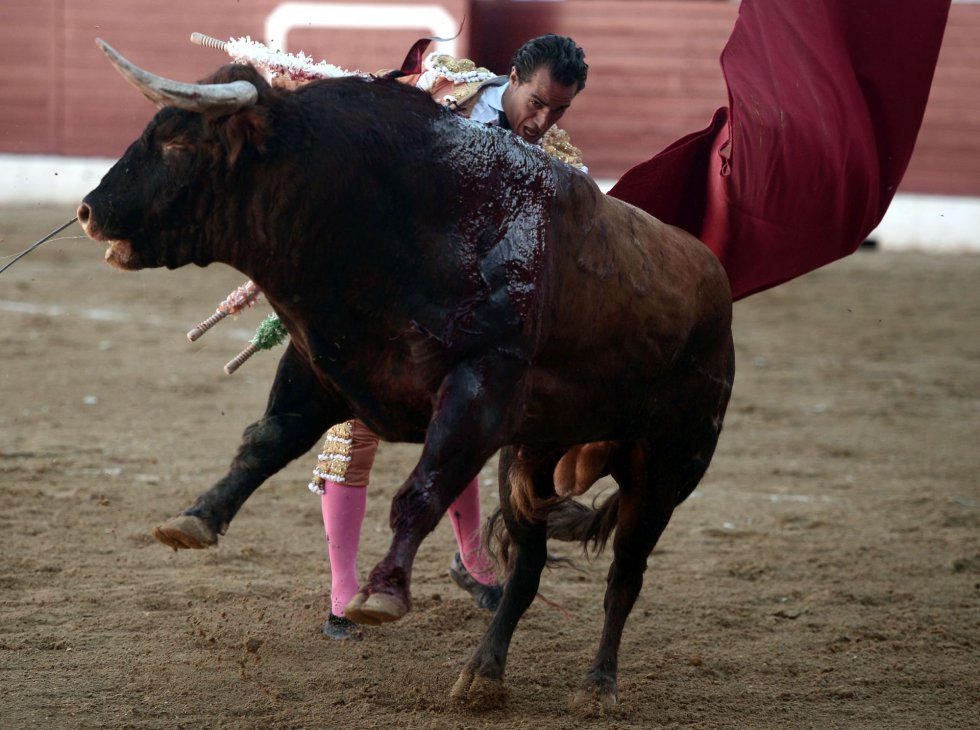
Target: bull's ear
{"x":246,"y":129}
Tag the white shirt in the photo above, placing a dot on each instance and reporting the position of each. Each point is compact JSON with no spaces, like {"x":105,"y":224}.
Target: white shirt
{"x":489,"y":105}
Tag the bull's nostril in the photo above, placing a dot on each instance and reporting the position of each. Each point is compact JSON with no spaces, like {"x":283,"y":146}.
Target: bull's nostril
{"x":84,"y":213}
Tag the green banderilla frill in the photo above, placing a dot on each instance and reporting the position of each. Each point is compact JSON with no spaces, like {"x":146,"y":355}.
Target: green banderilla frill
{"x":269,"y":334}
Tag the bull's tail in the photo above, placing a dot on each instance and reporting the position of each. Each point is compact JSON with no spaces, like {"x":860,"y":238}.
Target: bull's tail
{"x":568,"y":521}
{"x":573,"y":521}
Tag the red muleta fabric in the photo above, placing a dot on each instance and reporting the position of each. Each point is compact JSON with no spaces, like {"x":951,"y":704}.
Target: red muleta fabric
{"x":825,"y":103}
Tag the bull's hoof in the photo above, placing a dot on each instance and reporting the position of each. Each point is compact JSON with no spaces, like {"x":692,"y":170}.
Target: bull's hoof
{"x":186,"y":531}
{"x":478,"y":692}
{"x":375,"y":609}
{"x":595,"y":702}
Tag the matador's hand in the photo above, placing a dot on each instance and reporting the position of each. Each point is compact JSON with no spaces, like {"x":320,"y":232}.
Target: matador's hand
{"x":282,"y":82}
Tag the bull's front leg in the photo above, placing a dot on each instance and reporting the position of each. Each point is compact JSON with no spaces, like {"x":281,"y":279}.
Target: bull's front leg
{"x":467,"y":427}
{"x":297,"y":414}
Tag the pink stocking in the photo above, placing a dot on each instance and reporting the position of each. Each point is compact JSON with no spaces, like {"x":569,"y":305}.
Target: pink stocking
{"x":464,"y":514}
{"x":343,"y":513}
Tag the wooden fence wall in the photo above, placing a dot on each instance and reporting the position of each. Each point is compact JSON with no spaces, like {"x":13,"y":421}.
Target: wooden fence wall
{"x":654,"y":73}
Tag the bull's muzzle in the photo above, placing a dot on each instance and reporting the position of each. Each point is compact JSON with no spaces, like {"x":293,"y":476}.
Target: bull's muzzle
{"x":118,"y":253}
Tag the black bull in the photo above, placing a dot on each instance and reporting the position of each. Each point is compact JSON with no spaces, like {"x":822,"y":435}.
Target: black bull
{"x":449,"y":285}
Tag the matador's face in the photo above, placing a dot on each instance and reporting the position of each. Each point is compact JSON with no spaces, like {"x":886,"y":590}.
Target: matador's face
{"x":534,"y":106}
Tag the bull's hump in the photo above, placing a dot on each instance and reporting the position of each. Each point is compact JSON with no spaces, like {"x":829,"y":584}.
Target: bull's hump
{"x":505,"y":198}
{"x":481,"y":148}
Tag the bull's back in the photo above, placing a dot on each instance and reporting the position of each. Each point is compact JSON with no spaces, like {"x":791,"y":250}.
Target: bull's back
{"x":623,"y":272}
{"x":627,"y":301}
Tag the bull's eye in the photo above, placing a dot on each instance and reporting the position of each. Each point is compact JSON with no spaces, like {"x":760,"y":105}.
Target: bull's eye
{"x":173,"y":149}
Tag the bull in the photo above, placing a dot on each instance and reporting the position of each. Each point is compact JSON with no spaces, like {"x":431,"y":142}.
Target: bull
{"x":512,"y":307}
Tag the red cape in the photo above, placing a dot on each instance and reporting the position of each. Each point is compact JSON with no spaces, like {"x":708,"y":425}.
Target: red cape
{"x":825,"y":102}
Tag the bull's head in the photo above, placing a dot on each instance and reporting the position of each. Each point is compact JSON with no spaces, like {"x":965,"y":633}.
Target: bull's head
{"x":152,"y":207}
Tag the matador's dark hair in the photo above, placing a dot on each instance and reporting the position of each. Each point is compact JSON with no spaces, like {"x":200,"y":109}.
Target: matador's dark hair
{"x":564,"y":59}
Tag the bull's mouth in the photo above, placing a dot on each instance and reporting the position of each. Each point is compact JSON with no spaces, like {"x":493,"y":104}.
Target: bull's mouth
{"x":119,"y":252}
{"x":120,"y":255}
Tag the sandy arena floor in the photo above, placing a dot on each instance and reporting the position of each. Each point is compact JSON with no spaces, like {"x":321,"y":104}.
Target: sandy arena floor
{"x":826,"y":574}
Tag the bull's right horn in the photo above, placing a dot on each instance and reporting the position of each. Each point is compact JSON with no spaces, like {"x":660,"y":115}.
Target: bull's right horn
{"x":215,"y":98}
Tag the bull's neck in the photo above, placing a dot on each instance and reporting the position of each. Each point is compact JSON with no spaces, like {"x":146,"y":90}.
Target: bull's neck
{"x":331,"y":224}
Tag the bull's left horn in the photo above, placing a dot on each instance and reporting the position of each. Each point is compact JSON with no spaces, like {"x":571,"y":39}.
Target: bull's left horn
{"x":216,"y":98}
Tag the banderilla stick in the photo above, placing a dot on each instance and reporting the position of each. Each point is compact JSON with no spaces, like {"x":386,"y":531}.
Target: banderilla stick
{"x":270,"y":333}
{"x":243,"y":296}
{"x":239,"y":359}
{"x":208,"y":42}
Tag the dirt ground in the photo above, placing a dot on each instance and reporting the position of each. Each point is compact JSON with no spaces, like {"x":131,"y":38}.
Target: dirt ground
{"x":826,"y":574}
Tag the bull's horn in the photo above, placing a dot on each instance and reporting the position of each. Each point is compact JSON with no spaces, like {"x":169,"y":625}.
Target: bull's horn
{"x":220,"y":98}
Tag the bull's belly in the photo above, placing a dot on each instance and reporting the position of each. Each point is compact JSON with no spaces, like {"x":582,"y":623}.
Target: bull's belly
{"x":573,"y":410}
{"x":400,"y":418}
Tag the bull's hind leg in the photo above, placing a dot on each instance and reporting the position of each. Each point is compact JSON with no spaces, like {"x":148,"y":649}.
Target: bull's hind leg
{"x":645,"y":507}
{"x":654,"y":476}
{"x":481,"y":681}
{"x":295,"y":418}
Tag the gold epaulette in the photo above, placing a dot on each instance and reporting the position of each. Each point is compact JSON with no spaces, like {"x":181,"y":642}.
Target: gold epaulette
{"x":457,"y":78}
{"x":451,"y":67}
{"x":557,"y":144}
{"x":458,"y":94}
